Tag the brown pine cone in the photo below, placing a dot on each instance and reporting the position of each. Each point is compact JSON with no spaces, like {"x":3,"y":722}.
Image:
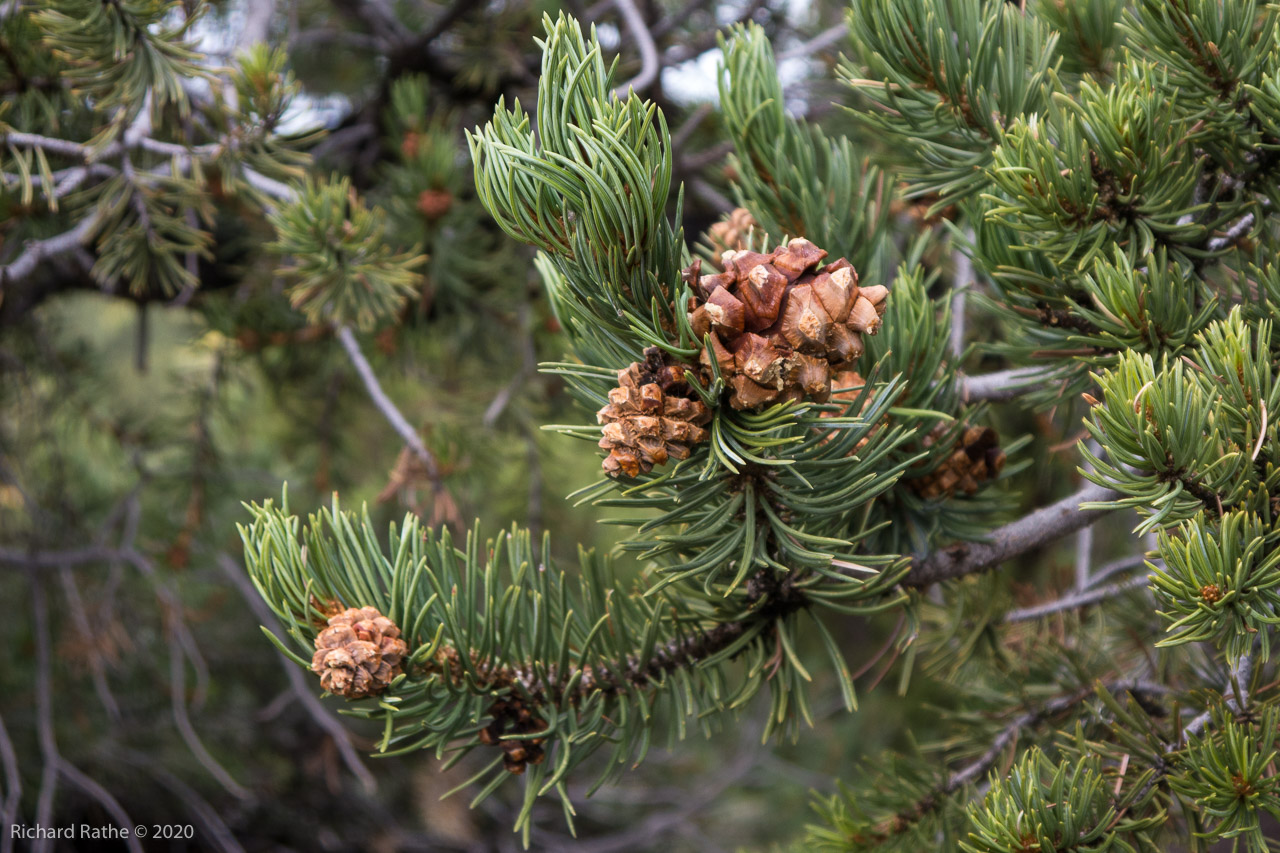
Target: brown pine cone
{"x":779,"y":326}
{"x":651,"y":417}
{"x":359,"y":653}
{"x":731,"y":233}
{"x":977,"y":458}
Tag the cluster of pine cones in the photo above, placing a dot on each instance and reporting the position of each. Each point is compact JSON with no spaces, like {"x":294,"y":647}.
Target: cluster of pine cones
{"x":782,"y":326}
{"x":359,"y":653}
{"x":779,"y":328}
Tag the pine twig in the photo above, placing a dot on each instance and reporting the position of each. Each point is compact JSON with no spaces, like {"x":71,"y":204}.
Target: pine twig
{"x":1074,"y":601}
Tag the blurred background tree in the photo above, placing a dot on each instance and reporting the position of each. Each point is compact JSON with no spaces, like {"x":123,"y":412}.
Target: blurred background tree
{"x":243,"y":244}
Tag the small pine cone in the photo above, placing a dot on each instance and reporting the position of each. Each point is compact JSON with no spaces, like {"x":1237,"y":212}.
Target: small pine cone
{"x":732,"y":233}
{"x":778,"y":323}
{"x":976,"y":458}
{"x":433,"y":204}
{"x":651,"y":417}
{"x":510,"y":716}
{"x":359,"y":653}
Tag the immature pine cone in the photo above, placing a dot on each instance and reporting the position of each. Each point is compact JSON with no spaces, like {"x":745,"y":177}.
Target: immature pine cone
{"x":511,"y":717}
{"x":778,"y":325}
{"x":731,"y":233}
{"x":358,"y":654}
{"x":651,"y":417}
{"x":977,"y":458}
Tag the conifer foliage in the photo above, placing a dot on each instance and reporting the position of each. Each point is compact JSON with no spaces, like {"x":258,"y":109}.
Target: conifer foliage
{"x":1108,"y":170}
{"x":1027,"y":224}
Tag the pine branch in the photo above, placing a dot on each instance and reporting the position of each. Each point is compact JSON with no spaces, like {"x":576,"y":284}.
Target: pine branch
{"x":1032,"y":531}
{"x":37,"y":251}
{"x":912,"y":814}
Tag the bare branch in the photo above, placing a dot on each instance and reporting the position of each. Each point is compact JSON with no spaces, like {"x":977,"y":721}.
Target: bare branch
{"x":297,"y":682}
{"x":37,"y":251}
{"x":180,"y":641}
{"x":257,"y":21}
{"x":960,"y":289}
{"x":109,"y":803}
{"x":1242,"y":227}
{"x":12,"y":788}
{"x":53,"y":559}
{"x":1001,"y":386}
{"x":972,"y":771}
{"x":389,"y":411}
{"x":44,"y":711}
{"x":649,"y":66}
{"x":177,"y":682}
{"x":78,"y":616}
{"x":671,"y":20}
{"x":817,"y":44}
{"x":62,"y":147}
{"x":269,"y":186}
{"x":1075,"y":600}
{"x":200,"y":809}
{"x":1124,"y":564}
{"x":1033,"y":530}
{"x":1238,"y":674}
{"x":710,"y":195}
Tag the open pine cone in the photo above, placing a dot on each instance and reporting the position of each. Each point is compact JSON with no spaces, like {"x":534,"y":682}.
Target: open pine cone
{"x":359,"y":653}
{"x":976,"y":459}
{"x":651,"y":417}
{"x":779,"y":326}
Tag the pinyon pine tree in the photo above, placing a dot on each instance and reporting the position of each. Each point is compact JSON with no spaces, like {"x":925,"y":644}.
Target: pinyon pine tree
{"x":793,"y":441}
{"x":829,"y":426}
